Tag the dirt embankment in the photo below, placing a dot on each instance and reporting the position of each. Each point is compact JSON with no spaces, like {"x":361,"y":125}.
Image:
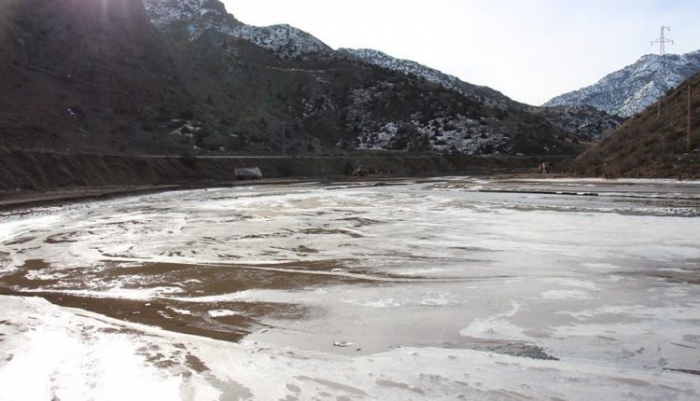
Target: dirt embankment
{"x":35,"y":171}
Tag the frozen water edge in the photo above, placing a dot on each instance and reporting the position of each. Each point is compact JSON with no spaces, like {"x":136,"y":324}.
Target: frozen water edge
{"x":57,"y":353}
{"x":428,"y":280}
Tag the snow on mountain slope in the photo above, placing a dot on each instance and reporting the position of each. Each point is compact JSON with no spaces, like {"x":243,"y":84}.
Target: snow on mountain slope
{"x":370,"y":101}
{"x":584,"y":122}
{"x":390,"y":116}
{"x":201,"y":15}
{"x":489,"y":96}
{"x":283,"y":39}
{"x":635,"y":87}
{"x":288,"y":41}
{"x":164,"y":12}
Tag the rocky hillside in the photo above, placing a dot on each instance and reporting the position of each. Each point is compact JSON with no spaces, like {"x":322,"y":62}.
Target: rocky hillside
{"x":652,"y":145}
{"x":480,"y":93}
{"x":584,"y":122}
{"x":635,"y":87}
{"x":200,"y":15}
{"x":184,"y":76}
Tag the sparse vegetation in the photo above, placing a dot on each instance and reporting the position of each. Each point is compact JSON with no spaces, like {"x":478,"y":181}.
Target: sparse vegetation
{"x":649,"y":146}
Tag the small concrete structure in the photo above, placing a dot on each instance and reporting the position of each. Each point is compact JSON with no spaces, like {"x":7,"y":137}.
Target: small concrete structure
{"x":248,"y":173}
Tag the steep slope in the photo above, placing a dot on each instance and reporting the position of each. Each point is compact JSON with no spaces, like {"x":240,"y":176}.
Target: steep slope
{"x":635,"y":87}
{"x":650,"y":145}
{"x":83,"y":75}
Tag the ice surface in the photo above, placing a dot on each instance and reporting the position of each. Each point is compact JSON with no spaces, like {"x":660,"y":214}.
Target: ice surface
{"x":76,"y":355}
{"x":445,"y":288}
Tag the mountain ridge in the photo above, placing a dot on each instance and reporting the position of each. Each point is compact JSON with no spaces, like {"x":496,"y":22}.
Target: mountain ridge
{"x":173,"y":79}
{"x":283,"y":39}
{"x":490,"y":96}
{"x":436,"y":131}
{"x":633,"y":88}
{"x":289,"y":42}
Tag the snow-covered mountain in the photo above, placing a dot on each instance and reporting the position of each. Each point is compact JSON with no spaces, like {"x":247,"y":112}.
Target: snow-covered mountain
{"x":201,"y":15}
{"x":288,"y":41}
{"x":487,"y":95}
{"x":635,"y":87}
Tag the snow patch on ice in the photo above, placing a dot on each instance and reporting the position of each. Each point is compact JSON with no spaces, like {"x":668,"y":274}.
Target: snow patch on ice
{"x":496,"y":327}
{"x":571,"y":282}
{"x":375,"y":303}
{"x":222,"y":313}
{"x":601,"y":266}
{"x":565,"y":294}
{"x":180,"y":311}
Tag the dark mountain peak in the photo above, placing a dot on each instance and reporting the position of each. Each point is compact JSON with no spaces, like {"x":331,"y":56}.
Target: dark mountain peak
{"x":164,"y":12}
{"x":200,"y":15}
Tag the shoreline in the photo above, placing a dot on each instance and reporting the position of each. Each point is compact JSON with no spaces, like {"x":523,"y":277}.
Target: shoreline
{"x":12,"y":201}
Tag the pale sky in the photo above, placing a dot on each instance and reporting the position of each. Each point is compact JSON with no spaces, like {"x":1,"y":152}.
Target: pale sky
{"x":531,"y":50}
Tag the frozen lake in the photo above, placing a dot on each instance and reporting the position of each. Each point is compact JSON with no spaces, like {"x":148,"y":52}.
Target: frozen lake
{"x":450,"y":288}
